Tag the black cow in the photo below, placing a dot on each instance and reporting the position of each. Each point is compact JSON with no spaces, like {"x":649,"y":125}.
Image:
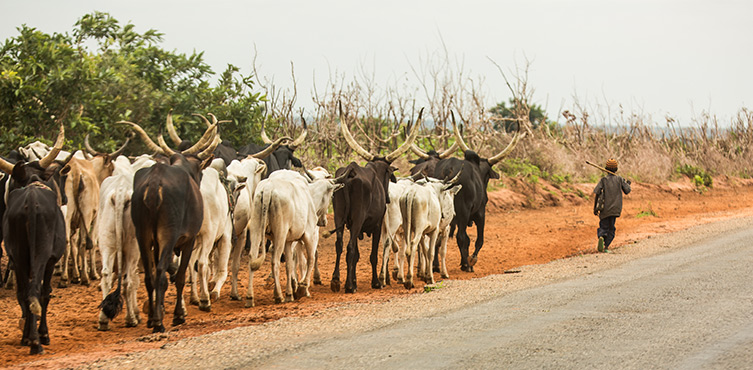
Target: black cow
{"x":427,"y":161}
{"x":167,"y":211}
{"x":470,"y":201}
{"x":361,"y":203}
{"x":282,"y":157}
{"x":34,"y":238}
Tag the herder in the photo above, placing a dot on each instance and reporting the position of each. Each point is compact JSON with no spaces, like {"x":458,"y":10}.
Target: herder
{"x":608,"y":203}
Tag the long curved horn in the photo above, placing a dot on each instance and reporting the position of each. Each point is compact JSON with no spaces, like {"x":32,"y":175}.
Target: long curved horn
{"x":270,"y":148}
{"x":166,"y":150}
{"x":145,"y":138}
{"x":518,"y":135}
{"x":455,"y":179}
{"x":206,"y":121}
{"x":299,"y":140}
{"x":118,"y":152}
{"x":171,"y":129}
{"x":88,"y":147}
{"x":419,"y":152}
{"x":6,"y":166}
{"x":458,"y":136}
{"x":352,"y":142}
{"x":47,"y":160}
{"x":452,"y":149}
{"x":206,"y":153}
{"x":408,"y":141}
{"x":264,"y":137}
{"x":205,"y":140}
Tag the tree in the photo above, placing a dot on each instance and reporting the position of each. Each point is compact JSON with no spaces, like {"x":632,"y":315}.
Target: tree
{"x":103,"y":72}
{"x":504,"y":118}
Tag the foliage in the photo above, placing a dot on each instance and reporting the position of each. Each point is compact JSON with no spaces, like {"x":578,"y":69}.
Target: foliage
{"x":700,"y":178}
{"x":103,"y":72}
{"x":504,"y":117}
{"x":647,"y":212}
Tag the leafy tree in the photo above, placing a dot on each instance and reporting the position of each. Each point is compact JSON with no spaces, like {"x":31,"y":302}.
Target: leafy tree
{"x":103,"y":72}
{"x":504,"y":118}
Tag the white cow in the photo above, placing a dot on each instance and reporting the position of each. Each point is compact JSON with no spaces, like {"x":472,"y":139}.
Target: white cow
{"x":422,"y":211}
{"x":116,"y":235}
{"x":37,"y":150}
{"x":244,"y":175}
{"x":215,"y":237}
{"x":392,"y":231}
{"x":287,"y":208}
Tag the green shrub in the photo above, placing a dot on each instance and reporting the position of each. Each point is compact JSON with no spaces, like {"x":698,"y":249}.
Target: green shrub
{"x":700,"y":178}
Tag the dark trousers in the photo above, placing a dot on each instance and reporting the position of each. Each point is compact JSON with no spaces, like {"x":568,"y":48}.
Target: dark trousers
{"x":606,"y":229}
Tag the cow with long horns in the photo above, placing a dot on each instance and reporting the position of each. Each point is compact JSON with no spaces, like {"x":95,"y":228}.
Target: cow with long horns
{"x":34,"y":238}
{"x":470,"y":201}
{"x":167,"y":212}
{"x":361,"y":204}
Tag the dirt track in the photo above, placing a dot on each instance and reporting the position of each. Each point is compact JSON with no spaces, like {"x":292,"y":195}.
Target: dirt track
{"x":515,"y":236}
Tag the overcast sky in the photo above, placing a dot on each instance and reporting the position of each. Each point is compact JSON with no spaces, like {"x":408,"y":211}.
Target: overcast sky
{"x":653,"y":57}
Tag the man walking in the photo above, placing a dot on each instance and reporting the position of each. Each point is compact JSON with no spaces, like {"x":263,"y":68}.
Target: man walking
{"x":608,"y":203}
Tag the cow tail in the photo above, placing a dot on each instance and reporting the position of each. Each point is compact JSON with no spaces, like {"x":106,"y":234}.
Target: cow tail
{"x":113,"y":303}
{"x":408,"y":225}
{"x":262,"y":214}
{"x":36,"y":285}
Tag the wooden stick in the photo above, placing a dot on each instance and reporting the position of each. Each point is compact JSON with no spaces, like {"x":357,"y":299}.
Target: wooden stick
{"x":601,"y":168}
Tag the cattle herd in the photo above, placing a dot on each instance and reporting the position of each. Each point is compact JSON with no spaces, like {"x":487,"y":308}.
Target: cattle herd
{"x":188,"y":214}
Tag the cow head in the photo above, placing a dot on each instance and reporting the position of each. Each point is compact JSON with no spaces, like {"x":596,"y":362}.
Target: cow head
{"x":103,"y":162}
{"x":485,"y":166}
{"x":45,"y":170}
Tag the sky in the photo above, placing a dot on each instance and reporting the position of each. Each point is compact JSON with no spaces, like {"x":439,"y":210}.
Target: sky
{"x":655,"y":58}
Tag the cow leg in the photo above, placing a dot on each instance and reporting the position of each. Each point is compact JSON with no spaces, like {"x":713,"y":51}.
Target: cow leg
{"x":374,"y":259}
{"x":44,"y":333}
{"x":200,"y":278}
{"x":310,"y":243}
{"x":235,"y":256}
{"x":108,"y":261}
{"x":429,"y":257}
{"x":130,"y":268}
{"x":22,"y":293}
{"x":221,"y":261}
{"x":334,"y":284}
{"x":93,"y":268}
{"x":442,"y":253}
{"x":463,"y":243}
{"x":290,"y":271}
{"x":384,"y":276}
{"x":317,"y":273}
{"x":193,"y":272}
{"x":480,"y":221}
{"x":400,"y":261}
{"x":179,"y":315}
{"x":410,"y":253}
{"x":279,"y":247}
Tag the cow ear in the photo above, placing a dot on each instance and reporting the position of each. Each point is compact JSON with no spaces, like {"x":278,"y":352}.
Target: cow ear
{"x":493,"y":174}
{"x":66,"y":169}
{"x":20,"y":174}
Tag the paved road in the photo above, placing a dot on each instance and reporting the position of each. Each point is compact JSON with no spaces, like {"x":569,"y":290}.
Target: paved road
{"x":691,"y":308}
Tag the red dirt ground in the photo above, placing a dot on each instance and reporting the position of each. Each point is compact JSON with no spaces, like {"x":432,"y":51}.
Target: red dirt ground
{"x":552,"y":223}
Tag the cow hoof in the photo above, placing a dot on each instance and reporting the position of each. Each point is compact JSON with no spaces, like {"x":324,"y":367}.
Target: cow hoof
{"x":302,"y":292}
{"x":25,"y":342}
{"x":376,"y":285}
{"x":465,"y":268}
{"x":289,"y":298}
{"x":193,"y":301}
{"x":350,"y":289}
{"x":132,"y":324}
{"x":44,"y":340}
{"x":250,"y":302}
{"x":36,"y":349}
{"x":399,"y":281}
{"x":334,"y":285}
{"x":205,"y":306}
{"x":103,"y":326}
{"x":394,"y":274}
{"x":85,"y":282}
{"x":278,"y":300}
{"x":435,"y":269}
{"x":161,"y":328}
{"x":215,"y":296}
{"x":445,"y":276}
{"x":472,"y":261}
{"x":318,"y":281}
{"x":235,"y":297}
{"x":408,"y":285}
{"x":76,"y":280}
